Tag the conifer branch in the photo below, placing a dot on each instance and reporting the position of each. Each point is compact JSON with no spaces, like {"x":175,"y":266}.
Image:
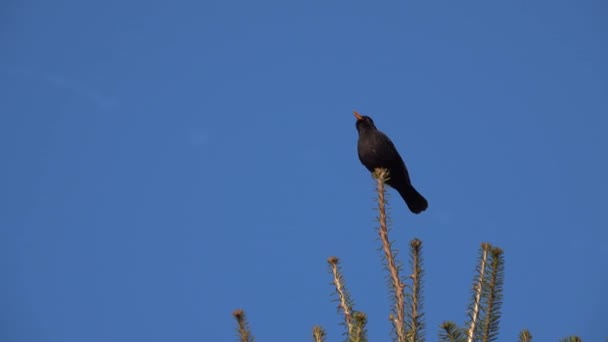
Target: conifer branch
{"x":451,"y":333}
{"x":493,"y":295}
{"x":243,"y":326}
{"x":474,"y":310}
{"x":397,"y":286}
{"x":318,"y":334}
{"x":572,"y":339}
{"x":344,"y":299}
{"x":359,"y":333}
{"x":525,"y":336}
{"x":415,"y":321}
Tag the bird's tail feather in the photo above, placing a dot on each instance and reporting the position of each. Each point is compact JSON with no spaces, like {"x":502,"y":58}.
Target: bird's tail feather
{"x":414,"y":200}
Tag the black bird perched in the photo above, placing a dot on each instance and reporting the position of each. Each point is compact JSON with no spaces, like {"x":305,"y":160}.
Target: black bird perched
{"x":376,"y":150}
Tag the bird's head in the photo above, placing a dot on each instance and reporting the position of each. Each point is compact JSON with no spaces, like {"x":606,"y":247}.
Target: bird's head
{"x":364,"y":122}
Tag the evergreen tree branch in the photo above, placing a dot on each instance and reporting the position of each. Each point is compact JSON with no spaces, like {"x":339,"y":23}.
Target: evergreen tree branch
{"x":243,"y":329}
{"x":572,"y":339}
{"x":525,"y":336}
{"x":493,"y":295}
{"x":344,"y":299}
{"x":451,"y":333}
{"x":397,"y":286}
{"x":475,"y":308}
{"x":318,"y":334}
{"x":415,"y":315}
{"x":359,"y":333}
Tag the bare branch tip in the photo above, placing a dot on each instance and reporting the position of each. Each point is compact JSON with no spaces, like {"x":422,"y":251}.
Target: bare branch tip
{"x":239,"y":314}
{"x":333,"y":260}
{"x":497,"y":251}
{"x":415,"y":243}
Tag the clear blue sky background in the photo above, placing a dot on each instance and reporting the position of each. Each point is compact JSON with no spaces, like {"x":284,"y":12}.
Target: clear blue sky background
{"x":164,"y":163}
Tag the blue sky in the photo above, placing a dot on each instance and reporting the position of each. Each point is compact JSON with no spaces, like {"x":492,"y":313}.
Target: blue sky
{"x":167,"y":163}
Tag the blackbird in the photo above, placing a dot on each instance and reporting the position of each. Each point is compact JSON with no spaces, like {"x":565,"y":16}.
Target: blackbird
{"x":376,"y":150}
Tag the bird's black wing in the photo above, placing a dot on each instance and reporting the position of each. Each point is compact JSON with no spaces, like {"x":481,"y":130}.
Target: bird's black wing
{"x":392,"y":159}
{"x":388,"y":153}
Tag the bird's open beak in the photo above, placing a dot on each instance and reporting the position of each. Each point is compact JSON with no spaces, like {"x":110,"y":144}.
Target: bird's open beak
{"x":359,"y":117}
